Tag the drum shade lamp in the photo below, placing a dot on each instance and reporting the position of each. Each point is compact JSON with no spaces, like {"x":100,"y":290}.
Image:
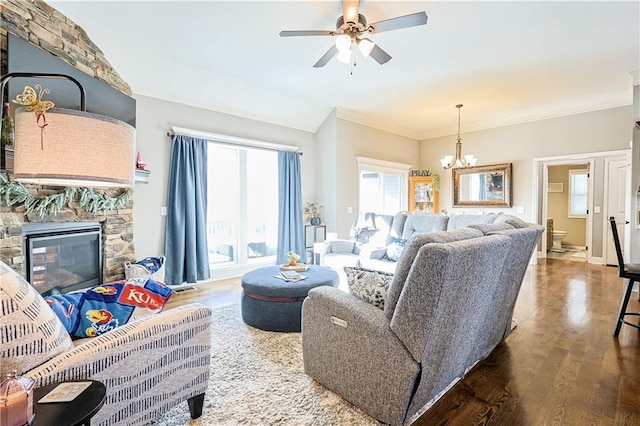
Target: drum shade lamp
{"x":74,"y":148}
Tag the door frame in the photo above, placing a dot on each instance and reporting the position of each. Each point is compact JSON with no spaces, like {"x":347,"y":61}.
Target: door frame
{"x":627,"y":206}
{"x":540,"y":194}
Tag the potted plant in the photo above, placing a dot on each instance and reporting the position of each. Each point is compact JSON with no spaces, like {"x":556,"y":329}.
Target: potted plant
{"x":313,"y":211}
{"x":292,"y":258}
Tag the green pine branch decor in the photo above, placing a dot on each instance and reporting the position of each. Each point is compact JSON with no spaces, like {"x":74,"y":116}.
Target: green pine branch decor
{"x":92,"y":201}
{"x":436,"y":181}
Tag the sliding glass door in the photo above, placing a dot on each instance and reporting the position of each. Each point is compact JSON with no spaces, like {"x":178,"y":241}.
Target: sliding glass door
{"x":242,"y":217}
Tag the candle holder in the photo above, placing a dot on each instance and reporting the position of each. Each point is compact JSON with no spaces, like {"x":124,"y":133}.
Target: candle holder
{"x":16,"y":400}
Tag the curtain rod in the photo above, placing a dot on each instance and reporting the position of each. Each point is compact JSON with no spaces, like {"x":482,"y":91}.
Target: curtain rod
{"x":232,"y":140}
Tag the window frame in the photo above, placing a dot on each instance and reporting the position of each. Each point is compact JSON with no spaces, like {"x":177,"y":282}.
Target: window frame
{"x":571,"y":214}
{"x":366,"y":164}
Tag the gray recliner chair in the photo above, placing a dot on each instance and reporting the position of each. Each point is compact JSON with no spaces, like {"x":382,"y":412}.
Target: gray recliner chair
{"x":449,"y":304}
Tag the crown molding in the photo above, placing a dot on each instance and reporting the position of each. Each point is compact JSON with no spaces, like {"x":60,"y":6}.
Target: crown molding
{"x":493,"y":124}
{"x":357,"y":118}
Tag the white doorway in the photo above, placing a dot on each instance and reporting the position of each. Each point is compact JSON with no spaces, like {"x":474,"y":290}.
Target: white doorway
{"x":615,"y":197}
{"x":597,"y":220}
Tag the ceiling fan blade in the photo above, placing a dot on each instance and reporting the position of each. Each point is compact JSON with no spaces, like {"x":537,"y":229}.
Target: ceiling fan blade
{"x":326,"y":57}
{"x":380,"y":55}
{"x":306,"y":33}
{"x":412,"y":20}
{"x":350,"y":10}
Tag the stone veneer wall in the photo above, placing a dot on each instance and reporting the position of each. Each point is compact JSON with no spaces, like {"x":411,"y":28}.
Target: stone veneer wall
{"x":43,"y":26}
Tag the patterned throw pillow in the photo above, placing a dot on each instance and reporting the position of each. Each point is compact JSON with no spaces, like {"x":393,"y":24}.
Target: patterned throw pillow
{"x":370,"y":286}
{"x":394,"y":249}
{"x":30,"y":333}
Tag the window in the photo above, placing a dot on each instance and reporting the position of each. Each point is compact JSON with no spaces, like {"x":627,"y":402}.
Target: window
{"x":382,"y":186}
{"x":578,"y":192}
{"x":242,"y":216}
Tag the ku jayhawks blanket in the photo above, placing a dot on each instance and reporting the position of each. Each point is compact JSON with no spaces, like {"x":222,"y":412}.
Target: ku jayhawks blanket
{"x":102,"y":308}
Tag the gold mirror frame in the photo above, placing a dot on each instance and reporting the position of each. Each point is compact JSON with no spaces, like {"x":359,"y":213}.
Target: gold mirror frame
{"x":504,"y":196}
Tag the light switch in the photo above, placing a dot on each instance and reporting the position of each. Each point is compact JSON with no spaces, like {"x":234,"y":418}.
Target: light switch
{"x":163,"y":211}
{"x":520,"y":209}
{"x":349,"y":210}
{"x":596,"y":209}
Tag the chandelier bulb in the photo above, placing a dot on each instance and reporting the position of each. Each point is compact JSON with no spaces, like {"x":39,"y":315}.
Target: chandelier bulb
{"x":459,"y":160}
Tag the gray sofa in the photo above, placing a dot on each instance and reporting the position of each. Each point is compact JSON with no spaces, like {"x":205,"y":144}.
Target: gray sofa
{"x":371,"y":237}
{"x":449,"y":304}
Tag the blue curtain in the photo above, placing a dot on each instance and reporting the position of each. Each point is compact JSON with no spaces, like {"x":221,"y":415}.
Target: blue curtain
{"x":290,"y":221}
{"x":185,"y":246}
{"x":482,"y":195}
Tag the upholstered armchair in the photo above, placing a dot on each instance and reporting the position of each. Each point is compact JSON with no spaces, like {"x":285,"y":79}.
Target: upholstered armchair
{"x":368,"y":232}
{"x":147,"y":366}
{"x":449,"y":304}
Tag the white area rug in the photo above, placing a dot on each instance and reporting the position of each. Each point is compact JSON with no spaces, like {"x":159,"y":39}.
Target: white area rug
{"x":257,"y":378}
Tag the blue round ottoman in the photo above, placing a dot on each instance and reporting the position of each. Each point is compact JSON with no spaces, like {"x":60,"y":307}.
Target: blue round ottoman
{"x":273,"y":304}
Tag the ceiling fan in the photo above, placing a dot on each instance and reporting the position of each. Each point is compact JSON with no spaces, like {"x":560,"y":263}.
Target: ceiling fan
{"x":350,"y":29}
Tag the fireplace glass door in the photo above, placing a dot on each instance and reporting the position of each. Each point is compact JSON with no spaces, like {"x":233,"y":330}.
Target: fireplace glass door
{"x":64,"y":260}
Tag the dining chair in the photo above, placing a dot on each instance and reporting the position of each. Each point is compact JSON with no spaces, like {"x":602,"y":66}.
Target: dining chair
{"x":630,"y":271}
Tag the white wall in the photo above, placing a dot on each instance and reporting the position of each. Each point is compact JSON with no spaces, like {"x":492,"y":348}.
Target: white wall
{"x":326,"y":175}
{"x":330,"y":169}
{"x":154,"y":119}
{"x":358,"y":140}
{"x":634,"y":234}
{"x":597,"y":131}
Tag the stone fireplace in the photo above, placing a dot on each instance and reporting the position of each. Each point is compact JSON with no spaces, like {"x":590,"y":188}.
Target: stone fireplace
{"x":115,"y":229}
{"x":44,"y":27}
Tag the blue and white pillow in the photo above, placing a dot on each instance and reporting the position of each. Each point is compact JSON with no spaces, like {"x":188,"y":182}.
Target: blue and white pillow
{"x":394,"y":249}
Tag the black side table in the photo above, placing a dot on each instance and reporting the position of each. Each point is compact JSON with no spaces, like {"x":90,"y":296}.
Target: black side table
{"x":74,"y":413}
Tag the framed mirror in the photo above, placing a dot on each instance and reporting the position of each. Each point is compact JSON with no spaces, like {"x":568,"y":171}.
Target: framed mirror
{"x":482,"y":186}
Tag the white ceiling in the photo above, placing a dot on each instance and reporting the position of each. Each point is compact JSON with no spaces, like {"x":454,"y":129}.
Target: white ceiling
{"x":507,"y":62}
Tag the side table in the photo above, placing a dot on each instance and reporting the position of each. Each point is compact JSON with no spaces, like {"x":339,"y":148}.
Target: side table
{"x":73,"y":413}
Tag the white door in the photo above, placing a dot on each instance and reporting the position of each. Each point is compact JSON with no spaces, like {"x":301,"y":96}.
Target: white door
{"x":615,"y":205}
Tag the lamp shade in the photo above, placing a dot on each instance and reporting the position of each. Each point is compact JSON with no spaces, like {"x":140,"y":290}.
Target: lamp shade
{"x":75,"y":148}
{"x":343,"y":43}
{"x":366,"y":46}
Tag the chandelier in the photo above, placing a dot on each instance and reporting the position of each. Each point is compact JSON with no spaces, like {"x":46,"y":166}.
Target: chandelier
{"x":459,"y":161}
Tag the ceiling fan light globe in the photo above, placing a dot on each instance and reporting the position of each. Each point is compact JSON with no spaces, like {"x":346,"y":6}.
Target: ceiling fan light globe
{"x":366,"y":46}
{"x":344,"y":57}
{"x":343,"y":43}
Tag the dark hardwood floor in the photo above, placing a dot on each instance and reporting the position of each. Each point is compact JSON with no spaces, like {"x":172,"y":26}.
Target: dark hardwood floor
{"x":560,"y":366}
